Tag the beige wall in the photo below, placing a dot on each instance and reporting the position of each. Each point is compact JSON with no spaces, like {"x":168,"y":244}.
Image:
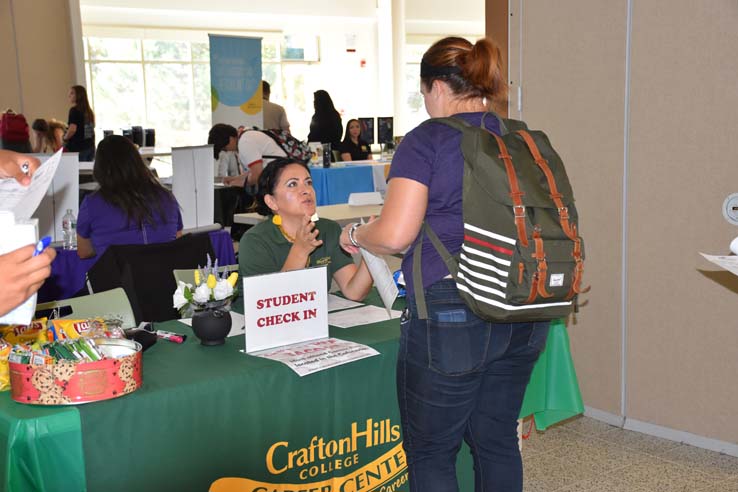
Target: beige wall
{"x":680,"y":327}
{"x":36,"y":47}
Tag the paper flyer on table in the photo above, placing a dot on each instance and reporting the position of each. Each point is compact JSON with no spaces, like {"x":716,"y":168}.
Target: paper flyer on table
{"x":24,"y":200}
{"x":360,"y":316}
{"x":383,"y":280}
{"x":729,"y":263}
{"x":336,"y":303}
{"x":317,"y":355}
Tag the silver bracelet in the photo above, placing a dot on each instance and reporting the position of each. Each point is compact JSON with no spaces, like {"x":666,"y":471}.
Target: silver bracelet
{"x":351,"y":231}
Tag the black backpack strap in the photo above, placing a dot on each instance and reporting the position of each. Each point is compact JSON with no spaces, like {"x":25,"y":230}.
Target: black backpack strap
{"x":450,"y":261}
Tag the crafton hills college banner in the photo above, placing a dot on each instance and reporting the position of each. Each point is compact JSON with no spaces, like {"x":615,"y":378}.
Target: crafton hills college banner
{"x":235,"y":80}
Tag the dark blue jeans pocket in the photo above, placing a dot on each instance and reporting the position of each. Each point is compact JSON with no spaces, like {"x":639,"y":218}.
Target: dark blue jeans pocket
{"x":457,"y":340}
{"x":539,"y":335}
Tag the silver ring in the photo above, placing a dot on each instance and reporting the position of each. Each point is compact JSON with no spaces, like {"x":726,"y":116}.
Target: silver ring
{"x":25,"y":168}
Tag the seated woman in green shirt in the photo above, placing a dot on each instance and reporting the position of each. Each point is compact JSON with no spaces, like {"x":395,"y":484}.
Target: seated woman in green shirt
{"x":290,"y":240}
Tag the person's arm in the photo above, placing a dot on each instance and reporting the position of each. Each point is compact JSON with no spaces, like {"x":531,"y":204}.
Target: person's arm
{"x":355,"y":282}
{"x":12,"y":165}
{"x":255,"y":169}
{"x":23,"y":275}
{"x":179,"y":234}
{"x":71,"y":130}
{"x":398,"y":225}
{"x":85,"y":249}
{"x":346,"y":156}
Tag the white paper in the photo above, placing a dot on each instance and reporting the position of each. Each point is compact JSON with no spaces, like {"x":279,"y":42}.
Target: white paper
{"x":366,"y":198}
{"x":336,"y":303}
{"x":382,"y":276}
{"x":360,"y":316}
{"x":23,"y":200}
{"x":317,"y":355}
{"x":16,"y":234}
{"x":729,"y":263}
{"x":237,"y":324}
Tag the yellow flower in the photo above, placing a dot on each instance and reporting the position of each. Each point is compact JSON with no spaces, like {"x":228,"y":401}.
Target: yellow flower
{"x":232,"y":279}
{"x":197,"y":277}
{"x":212,"y":281}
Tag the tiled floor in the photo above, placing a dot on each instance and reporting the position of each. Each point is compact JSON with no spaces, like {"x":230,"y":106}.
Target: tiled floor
{"x":585,"y":455}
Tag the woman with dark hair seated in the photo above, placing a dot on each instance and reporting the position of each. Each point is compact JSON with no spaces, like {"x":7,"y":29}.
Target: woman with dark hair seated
{"x":131,"y":206}
{"x":290,"y":240}
{"x":353,"y":148}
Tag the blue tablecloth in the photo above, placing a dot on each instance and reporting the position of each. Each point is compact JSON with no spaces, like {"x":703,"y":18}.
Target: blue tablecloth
{"x":68,"y":270}
{"x":333,"y":185}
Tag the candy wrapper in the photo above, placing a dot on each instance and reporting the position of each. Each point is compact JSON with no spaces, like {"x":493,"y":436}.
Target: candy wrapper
{"x":4,"y":371}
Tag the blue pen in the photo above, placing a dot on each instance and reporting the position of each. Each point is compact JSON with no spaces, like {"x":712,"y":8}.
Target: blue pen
{"x":42,"y":245}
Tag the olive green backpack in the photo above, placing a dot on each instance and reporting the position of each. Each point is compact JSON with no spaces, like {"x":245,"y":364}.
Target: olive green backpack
{"x":522,"y":258}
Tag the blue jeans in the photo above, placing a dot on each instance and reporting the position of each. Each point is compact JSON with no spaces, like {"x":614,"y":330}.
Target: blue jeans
{"x":460,"y":377}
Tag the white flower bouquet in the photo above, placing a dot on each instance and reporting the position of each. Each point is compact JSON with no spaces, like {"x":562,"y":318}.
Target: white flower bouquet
{"x":212,"y":290}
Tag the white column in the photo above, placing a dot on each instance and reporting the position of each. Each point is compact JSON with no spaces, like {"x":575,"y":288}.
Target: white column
{"x":385,"y":54}
{"x":398,"y":59}
{"x":78,"y":53}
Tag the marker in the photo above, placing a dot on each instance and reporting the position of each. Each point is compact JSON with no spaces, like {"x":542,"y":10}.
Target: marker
{"x":42,"y":245}
{"x":171,"y":336}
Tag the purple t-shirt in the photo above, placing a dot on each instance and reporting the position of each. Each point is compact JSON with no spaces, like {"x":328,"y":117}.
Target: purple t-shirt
{"x":105,"y":224}
{"x":431,"y":155}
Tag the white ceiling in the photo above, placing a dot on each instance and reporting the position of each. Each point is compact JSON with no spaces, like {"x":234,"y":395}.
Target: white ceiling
{"x":421,"y":16}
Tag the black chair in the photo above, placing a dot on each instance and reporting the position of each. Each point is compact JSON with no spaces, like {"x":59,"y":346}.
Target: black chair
{"x":145,"y":273}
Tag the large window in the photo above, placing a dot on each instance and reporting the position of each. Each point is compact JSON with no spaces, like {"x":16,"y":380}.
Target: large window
{"x":165,"y":84}
{"x":160,"y":84}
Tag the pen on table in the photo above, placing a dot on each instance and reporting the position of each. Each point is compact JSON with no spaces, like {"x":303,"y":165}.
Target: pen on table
{"x":42,"y":245}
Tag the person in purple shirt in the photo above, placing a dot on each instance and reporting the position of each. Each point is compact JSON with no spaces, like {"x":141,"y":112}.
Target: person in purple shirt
{"x":131,"y":206}
{"x":459,"y":377}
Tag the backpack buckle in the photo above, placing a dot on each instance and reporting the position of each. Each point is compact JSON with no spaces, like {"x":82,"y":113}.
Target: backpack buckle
{"x":564,"y":212}
{"x":519,"y":211}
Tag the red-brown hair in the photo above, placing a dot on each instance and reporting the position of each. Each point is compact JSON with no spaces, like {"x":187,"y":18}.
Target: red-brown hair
{"x":479,"y":68}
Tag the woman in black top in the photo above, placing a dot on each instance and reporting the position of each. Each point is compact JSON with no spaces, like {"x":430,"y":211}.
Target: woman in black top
{"x":80,"y":136}
{"x":353,"y":148}
{"x":326,"y":126}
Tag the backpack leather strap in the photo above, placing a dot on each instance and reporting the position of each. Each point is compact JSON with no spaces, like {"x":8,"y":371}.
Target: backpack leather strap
{"x":555,"y":195}
{"x":515,"y":193}
{"x":576,"y":284}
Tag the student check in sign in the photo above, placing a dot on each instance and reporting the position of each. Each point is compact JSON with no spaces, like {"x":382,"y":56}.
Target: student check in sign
{"x":287,"y":321}
{"x":285,"y":308}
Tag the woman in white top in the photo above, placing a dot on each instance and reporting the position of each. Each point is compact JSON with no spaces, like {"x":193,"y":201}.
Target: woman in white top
{"x":224,"y":139}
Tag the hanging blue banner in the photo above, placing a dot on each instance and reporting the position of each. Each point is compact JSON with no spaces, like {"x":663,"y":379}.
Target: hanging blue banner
{"x":235,"y":80}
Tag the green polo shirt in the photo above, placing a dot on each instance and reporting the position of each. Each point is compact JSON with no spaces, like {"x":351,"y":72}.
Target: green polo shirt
{"x":263,"y":249}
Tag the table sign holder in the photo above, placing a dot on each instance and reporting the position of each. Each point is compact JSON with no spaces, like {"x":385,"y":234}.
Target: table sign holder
{"x":285,"y":308}
{"x":61,"y":195}
{"x":192,"y":184}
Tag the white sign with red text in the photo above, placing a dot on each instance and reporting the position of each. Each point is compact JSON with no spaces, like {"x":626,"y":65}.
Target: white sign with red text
{"x":285,"y":308}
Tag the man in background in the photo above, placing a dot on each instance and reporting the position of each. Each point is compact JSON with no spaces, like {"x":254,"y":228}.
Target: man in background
{"x":275,"y":116}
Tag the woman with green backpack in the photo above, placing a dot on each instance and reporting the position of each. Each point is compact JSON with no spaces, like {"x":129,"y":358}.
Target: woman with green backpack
{"x":459,"y":377}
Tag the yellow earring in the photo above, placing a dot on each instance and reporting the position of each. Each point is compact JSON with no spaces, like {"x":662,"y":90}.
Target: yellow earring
{"x":277,"y":220}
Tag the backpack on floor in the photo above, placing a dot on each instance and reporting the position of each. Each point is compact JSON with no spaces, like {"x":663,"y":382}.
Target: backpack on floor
{"x":522,"y":258}
{"x":14,"y":127}
{"x":292,"y":147}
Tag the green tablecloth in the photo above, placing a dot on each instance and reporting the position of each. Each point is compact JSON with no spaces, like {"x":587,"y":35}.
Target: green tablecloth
{"x":209,"y":412}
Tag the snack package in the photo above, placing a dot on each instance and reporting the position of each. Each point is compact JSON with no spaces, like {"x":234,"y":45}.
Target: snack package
{"x":71,"y":329}
{"x":4,"y":371}
{"x":15,"y":334}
